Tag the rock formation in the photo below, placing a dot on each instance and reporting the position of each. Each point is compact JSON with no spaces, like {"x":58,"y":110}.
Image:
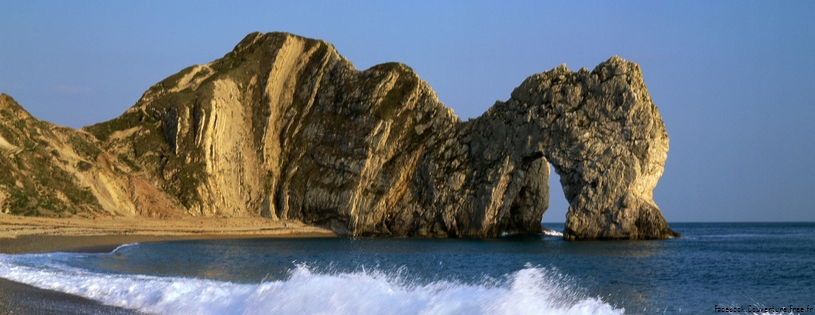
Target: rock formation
{"x":285,"y":127}
{"x":48,"y":170}
{"x":604,"y":137}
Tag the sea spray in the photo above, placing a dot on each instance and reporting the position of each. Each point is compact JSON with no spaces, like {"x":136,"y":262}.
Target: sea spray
{"x":532,"y":290}
{"x":123,"y":246}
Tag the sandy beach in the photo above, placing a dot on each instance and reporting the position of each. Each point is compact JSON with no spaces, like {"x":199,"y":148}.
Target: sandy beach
{"x":31,"y":235}
{"x":36,"y":235}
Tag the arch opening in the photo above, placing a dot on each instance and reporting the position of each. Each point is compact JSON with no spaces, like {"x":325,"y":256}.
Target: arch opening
{"x":558,"y":205}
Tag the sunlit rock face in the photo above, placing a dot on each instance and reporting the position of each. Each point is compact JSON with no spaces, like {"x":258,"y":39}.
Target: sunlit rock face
{"x":283,"y":127}
{"x":605,"y":138}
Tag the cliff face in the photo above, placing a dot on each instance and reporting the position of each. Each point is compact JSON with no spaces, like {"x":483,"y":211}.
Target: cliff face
{"x":284,"y":127}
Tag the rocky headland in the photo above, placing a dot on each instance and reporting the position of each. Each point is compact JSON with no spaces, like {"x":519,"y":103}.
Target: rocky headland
{"x":285,"y":128}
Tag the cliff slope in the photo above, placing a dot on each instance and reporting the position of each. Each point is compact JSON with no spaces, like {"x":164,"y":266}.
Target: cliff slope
{"x":48,"y":170}
{"x":283,"y":127}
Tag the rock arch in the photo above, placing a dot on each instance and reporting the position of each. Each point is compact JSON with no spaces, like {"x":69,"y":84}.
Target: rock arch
{"x":603,"y":135}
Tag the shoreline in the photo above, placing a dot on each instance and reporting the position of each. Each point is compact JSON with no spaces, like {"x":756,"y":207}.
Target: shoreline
{"x":37,"y":235}
{"x":21,"y":298}
{"x":26,"y":235}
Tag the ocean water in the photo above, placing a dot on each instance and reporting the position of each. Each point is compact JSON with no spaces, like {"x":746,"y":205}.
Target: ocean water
{"x":753,"y":268}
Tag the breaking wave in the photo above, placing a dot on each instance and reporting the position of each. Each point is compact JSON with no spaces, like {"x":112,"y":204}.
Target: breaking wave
{"x":552,"y":233}
{"x":531,"y":290}
{"x":123,"y":246}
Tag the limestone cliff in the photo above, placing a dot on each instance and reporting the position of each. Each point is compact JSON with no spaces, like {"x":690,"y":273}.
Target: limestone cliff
{"x":285,"y":127}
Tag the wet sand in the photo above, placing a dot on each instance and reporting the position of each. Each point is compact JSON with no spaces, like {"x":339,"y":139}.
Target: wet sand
{"x":23,"y":299}
{"x":36,"y":235}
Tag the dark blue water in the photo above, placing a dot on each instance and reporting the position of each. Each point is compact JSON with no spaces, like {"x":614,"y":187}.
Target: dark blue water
{"x":739,"y":265}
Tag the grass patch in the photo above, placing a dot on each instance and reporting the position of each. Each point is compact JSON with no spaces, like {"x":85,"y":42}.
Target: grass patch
{"x":20,"y":124}
{"x":10,"y":136}
{"x":20,"y":203}
{"x":6,"y":171}
{"x":395,"y":99}
{"x":103,"y":130}
{"x":172,"y":80}
{"x":84,"y":147}
{"x":390,"y":103}
{"x":42,"y":181}
{"x":132,"y":165}
{"x":83,"y":166}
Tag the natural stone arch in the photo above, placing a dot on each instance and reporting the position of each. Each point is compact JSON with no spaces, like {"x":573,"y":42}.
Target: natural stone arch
{"x":604,"y":137}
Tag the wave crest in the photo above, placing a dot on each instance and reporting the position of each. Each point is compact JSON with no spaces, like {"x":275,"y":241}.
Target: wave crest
{"x":531,"y":290}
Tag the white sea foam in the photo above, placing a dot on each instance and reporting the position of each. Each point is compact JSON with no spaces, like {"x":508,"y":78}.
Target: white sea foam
{"x":120,"y":247}
{"x":528,"y":291}
{"x":545,"y":232}
{"x":552,"y":233}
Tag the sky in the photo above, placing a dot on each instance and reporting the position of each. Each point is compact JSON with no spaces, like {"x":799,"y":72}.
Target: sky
{"x":733,"y":80}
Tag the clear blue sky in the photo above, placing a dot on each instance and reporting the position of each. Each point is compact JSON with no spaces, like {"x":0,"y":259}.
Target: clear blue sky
{"x":734,"y":80}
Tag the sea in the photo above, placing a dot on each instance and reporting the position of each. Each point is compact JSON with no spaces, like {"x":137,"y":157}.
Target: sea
{"x":735,"y":268}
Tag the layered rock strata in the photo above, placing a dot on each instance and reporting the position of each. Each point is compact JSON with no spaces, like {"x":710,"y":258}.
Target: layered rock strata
{"x":283,"y":127}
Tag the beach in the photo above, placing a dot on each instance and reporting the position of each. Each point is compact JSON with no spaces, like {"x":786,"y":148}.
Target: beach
{"x":712,"y":265}
{"x":20,"y":234}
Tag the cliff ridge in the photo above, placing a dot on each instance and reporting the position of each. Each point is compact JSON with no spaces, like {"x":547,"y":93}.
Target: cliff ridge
{"x":283,"y":127}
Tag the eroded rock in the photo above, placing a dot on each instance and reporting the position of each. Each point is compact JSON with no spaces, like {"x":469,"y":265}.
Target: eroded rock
{"x":605,"y":138}
{"x":283,"y":127}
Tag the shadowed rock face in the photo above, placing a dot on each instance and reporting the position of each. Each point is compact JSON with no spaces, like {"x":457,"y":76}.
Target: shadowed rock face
{"x":283,"y":127}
